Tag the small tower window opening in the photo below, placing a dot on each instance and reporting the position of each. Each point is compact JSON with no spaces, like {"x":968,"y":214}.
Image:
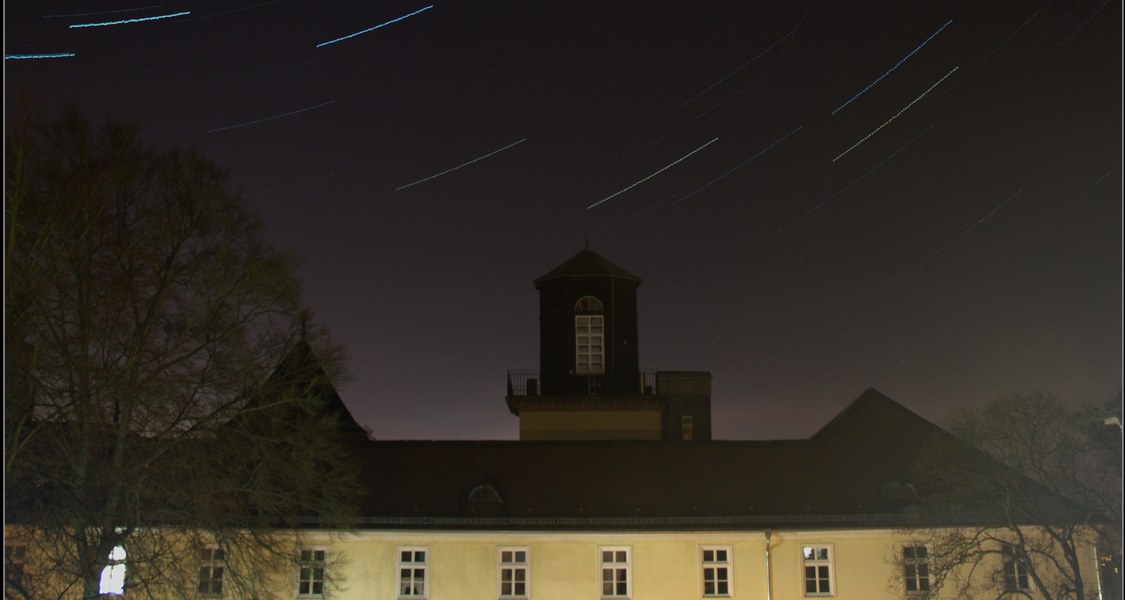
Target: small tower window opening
{"x":589,"y":336}
{"x":686,"y":428}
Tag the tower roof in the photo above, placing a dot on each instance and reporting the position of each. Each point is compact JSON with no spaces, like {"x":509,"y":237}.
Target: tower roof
{"x":587,"y":263}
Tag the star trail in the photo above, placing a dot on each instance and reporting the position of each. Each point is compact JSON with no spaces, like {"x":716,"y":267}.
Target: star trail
{"x":819,"y":196}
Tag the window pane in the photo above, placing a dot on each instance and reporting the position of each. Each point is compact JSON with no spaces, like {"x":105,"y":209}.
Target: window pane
{"x":708,"y":587}
{"x":720,"y":555}
{"x":405,"y":556}
{"x":521,"y":556}
{"x":607,"y":556}
{"x":709,"y":555}
{"x":723,"y":588}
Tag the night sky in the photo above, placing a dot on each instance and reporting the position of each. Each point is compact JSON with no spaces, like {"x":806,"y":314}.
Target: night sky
{"x":921,"y":197}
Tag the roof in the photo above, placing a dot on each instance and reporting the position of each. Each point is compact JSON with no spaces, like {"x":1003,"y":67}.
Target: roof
{"x":837,"y":478}
{"x":587,"y":263}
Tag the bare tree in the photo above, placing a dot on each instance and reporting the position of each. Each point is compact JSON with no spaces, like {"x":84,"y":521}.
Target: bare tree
{"x":1015,"y":509}
{"x":163,"y":397}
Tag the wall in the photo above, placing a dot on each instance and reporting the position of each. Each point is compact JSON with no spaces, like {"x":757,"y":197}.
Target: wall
{"x":590,"y":425}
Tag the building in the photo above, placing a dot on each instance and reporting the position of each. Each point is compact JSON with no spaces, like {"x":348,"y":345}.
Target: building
{"x":615,"y":489}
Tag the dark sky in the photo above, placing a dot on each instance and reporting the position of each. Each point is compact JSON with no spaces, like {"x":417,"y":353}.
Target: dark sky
{"x":922,"y":197}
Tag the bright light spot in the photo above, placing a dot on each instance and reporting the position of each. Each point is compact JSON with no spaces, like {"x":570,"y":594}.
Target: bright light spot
{"x":138,"y":20}
{"x":369,"y":29}
{"x":113,"y":575}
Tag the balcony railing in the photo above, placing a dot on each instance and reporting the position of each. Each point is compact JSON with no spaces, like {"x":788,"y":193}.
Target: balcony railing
{"x":527,"y":382}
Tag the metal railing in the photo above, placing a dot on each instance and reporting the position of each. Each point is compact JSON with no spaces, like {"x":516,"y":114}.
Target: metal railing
{"x":527,"y":382}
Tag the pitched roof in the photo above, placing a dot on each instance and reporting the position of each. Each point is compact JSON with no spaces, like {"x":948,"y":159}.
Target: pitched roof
{"x":587,"y":263}
{"x":837,"y":478}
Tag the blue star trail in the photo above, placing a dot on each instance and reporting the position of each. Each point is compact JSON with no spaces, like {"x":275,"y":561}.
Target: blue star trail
{"x":370,"y":29}
{"x":38,"y":56}
{"x":126,"y":21}
{"x":897,"y":65}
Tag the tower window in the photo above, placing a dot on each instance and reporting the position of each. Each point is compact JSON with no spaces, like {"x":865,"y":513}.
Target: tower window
{"x":589,"y":341}
{"x":588,"y":304}
{"x":589,"y":337}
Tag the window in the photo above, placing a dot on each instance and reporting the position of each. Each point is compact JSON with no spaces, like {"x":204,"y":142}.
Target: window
{"x":685,"y":428}
{"x":15,"y":561}
{"x":412,"y":572}
{"x":589,"y":342}
{"x":589,"y":336}
{"x":514,"y":572}
{"x":615,"y":572}
{"x":818,"y":570}
{"x":113,"y":575}
{"x":210,"y":572}
{"x":716,"y":571}
{"x":1016,"y":577}
{"x":310,"y":573}
{"x":916,"y":569}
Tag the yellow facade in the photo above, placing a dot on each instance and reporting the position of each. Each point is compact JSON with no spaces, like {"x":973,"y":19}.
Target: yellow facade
{"x":662,"y":565}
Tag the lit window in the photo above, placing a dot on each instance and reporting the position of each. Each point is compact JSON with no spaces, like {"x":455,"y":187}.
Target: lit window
{"x":818,"y":570}
{"x":310,"y":573}
{"x":716,"y":571}
{"x":210,"y":572}
{"x":514,"y":572}
{"x":916,"y":569}
{"x":588,"y":304}
{"x":1016,"y":577}
{"x":412,"y":572}
{"x":15,"y":563}
{"x":615,"y":572}
{"x":686,"y":428}
{"x":113,"y":575}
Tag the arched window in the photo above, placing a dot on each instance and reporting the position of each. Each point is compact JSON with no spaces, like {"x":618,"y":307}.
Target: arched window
{"x":588,"y":304}
{"x":589,"y":336}
{"x":485,"y":493}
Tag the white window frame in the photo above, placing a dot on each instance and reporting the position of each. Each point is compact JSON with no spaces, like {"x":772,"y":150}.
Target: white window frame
{"x":714,"y":564}
{"x":615,"y":566}
{"x":1018,"y":566}
{"x":818,"y":563}
{"x":923,"y":564}
{"x":415,"y":567}
{"x":589,"y":347}
{"x":513,"y":565}
{"x":212,"y":568}
{"x":317,"y":559}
